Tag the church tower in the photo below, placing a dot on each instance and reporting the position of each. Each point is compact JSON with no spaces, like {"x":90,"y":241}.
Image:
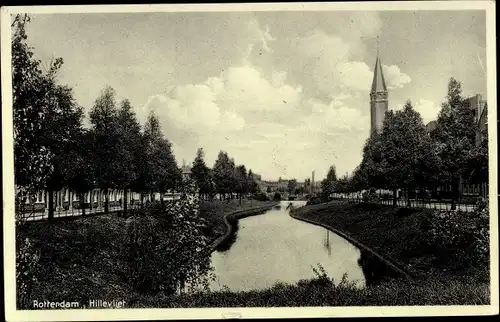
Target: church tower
{"x":379,"y":103}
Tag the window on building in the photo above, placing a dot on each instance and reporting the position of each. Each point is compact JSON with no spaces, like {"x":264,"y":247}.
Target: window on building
{"x":40,"y":196}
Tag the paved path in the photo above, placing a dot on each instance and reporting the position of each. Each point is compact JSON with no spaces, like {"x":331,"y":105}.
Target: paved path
{"x":41,"y":215}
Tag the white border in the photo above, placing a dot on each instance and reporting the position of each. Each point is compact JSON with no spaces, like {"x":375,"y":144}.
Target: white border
{"x":216,"y":313}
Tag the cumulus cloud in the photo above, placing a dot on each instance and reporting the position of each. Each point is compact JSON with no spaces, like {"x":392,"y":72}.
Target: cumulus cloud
{"x":258,"y":36}
{"x":394,"y":77}
{"x":327,"y":64}
{"x":267,"y":116}
{"x":429,"y":110}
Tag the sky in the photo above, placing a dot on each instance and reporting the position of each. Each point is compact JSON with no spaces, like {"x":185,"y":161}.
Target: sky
{"x":283,"y":93}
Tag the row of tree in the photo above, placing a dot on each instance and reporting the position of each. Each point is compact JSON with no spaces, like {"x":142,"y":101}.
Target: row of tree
{"x":54,"y":150}
{"x":405,"y":155}
{"x":225,"y":178}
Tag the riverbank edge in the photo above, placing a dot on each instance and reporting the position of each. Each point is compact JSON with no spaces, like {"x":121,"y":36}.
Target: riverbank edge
{"x":298,"y":215}
{"x":237,"y":215}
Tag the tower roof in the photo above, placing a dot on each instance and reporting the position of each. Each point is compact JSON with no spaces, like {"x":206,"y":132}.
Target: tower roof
{"x":378,"y":84}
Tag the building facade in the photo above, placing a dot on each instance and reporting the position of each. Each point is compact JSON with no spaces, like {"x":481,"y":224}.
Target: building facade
{"x":479,"y":108}
{"x":379,"y":97}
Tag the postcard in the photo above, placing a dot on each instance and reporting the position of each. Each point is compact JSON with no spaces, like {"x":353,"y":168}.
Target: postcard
{"x":249,"y":160}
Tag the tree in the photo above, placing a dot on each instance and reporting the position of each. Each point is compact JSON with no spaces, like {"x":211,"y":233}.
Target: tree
{"x":170,"y":175}
{"x":253,"y":187}
{"x":129,"y":149}
{"x":292,"y":185}
{"x":201,"y":173}
{"x":307,"y":185}
{"x":81,"y":171}
{"x":224,"y":170}
{"x":454,"y":137}
{"x":64,"y":127}
{"x":371,"y":172}
{"x":32,"y":164}
{"x":160,"y":171}
{"x":242,"y":180}
{"x":181,"y":250}
{"x":406,"y":150}
{"x":328,"y":184}
{"x":106,"y":131}
{"x":188,"y":260}
{"x":31,"y":155}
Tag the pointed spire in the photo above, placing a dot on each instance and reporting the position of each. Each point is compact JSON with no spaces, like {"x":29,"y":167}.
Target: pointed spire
{"x":378,"y":84}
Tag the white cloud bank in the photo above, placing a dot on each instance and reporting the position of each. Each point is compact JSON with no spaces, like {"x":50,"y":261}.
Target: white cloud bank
{"x":266,"y":120}
{"x":428,"y":110}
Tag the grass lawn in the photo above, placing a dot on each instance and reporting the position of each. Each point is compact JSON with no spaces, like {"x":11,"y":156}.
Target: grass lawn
{"x":397,"y":234}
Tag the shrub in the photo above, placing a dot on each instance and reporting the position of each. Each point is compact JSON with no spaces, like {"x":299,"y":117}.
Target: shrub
{"x":316,"y":199}
{"x":27,"y":258}
{"x":260,"y":197}
{"x":460,"y":238}
{"x":167,"y":251}
{"x":277,"y":196}
{"x":141,"y":241}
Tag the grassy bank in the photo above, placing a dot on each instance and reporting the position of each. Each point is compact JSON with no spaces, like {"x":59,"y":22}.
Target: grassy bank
{"x":396,"y":233}
{"x":318,"y":292}
{"x":80,"y":259}
{"x":441,"y":274}
{"x":214,"y":213}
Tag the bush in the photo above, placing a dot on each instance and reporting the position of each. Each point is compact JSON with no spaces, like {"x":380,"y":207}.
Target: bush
{"x":27,"y":258}
{"x":138,"y":249}
{"x":460,"y":238}
{"x":314,"y":200}
{"x":167,"y":251}
{"x":260,"y":197}
{"x":277,"y":196}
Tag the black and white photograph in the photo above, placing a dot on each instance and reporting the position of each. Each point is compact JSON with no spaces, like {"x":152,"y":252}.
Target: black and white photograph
{"x":249,"y":160}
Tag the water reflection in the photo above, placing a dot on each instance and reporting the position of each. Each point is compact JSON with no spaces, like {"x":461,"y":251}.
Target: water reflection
{"x":274,"y":247}
{"x":327,"y":244}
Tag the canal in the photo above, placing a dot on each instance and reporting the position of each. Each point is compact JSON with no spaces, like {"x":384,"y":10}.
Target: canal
{"x":274,"y":247}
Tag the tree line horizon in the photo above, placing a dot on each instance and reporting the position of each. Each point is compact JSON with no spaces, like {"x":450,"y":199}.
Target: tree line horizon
{"x":53,"y":150}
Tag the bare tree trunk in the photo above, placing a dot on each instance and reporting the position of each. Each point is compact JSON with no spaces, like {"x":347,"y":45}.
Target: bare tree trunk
{"x":51,"y":204}
{"x":454,"y":193}
{"x":82,"y":202}
{"x":125,"y":201}
{"x":394,"y":197}
{"x":106,"y":201}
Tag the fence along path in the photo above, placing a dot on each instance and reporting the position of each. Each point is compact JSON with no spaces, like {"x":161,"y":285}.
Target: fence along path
{"x":413,"y":203}
{"x":29,"y":215}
